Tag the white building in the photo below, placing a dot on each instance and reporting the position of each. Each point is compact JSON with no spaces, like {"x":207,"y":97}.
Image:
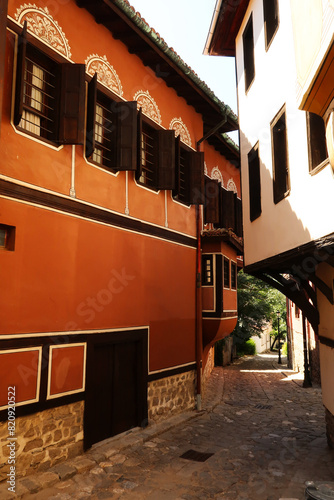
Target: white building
{"x":285,"y":84}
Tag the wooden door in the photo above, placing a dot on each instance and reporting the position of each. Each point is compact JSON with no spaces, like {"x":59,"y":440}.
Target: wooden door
{"x":116,"y":389}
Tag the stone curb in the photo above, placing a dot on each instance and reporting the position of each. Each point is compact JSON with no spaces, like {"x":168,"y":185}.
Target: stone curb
{"x":98,"y":453}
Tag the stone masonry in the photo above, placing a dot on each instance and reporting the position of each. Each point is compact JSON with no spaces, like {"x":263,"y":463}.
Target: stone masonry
{"x":43,"y":439}
{"x":170,"y":395}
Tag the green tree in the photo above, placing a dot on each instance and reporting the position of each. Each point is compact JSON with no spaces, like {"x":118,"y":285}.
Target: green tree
{"x":258,"y":304}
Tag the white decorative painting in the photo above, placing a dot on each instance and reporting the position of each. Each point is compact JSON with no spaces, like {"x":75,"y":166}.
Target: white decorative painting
{"x":205,"y":169}
{"x":43,"y":26}
{"x":148,"y":105}
{"x":181,"y":130}
{"x":105,"y":73}
{"x":216,"y":174}
{"x":231,"y":186}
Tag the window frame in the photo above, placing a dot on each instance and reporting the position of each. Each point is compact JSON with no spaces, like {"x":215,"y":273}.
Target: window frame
{"x":234,"y":279}
{"x":269,"y":18}
{"x":70,"y":81}
{"x":227,"y":276}
{"x":207,"y":281}
{"x":312,"y":136}
{"x":194,"y":191}
{"x":9,"y":239}
{"x":254,"y":183}
{"x":249,"y":53}
{"x":149,"y":126}
{"x":278,"y":172}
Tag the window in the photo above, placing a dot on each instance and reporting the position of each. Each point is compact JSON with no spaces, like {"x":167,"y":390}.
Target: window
{"x":254,"y":183}
{"x":233,"y":275}
{"x":270,"y":12}
{"x":148,"y":157}
{"x":297,"y":312}
{"x":111,"y":130}
{"x":49,"y":96}
{"x":248,"y":45}
{"x":211,"y":204}
{"x":316,"y":141}
{"x":207,"y":270}
{"x":7,"y":237}
{"x":189,"y":180}
{"x":281,"y":182}
{"x":226,"y":273}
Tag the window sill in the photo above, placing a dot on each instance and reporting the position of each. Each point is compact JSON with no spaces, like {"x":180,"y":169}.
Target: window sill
{"x":319,"y":167}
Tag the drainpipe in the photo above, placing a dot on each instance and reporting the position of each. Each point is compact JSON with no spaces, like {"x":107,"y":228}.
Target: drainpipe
{"x":199,"y":332}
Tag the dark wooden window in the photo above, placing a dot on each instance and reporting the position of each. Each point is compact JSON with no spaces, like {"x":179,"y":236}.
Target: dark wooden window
{"x":156,"y":156}
{"x":233,"y":275}
{"x":248,"y":45}
{"x":297,"y":312}
{"x":226,"y":273}
{"x":7,"y":237}
{"x":211,"y":203}
{"x":49,"y":96}
{"x":111,"y":130}
{"x":254,"y":183}
{"x":207,"y":270}
{"x":271,"y":19}
{"x":189,"y":175}
{"x":281,"y":181}
{"x":316,"y":140}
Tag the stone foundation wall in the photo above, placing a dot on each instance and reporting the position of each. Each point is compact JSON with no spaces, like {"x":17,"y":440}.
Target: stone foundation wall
{"x":171,"y":395}
{"x":43,"y":439}
{"x":330,"y":428}
{"x":210,"y":364}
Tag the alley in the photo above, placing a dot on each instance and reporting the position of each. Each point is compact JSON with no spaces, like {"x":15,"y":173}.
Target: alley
{"x":265,"y":434}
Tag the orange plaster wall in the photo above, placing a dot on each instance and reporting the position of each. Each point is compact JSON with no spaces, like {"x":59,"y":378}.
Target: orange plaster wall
{"x":228,"y":170}
{"x":70,"y":274}
{"x":53,"y":168}
{"x":67,"y":369}
{"x":19,"y":369}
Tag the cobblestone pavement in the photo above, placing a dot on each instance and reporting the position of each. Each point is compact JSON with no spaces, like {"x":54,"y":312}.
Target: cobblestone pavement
{"x":265,"y":432}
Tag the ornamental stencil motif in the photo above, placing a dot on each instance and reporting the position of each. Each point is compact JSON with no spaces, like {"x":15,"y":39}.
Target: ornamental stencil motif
{"x":181,"y":130}
{"x":231,"y":186}
{"x":216,"y":174}
{"x":148,"y":105}
{"x":41,"y":24}
{"x":105,"y":73}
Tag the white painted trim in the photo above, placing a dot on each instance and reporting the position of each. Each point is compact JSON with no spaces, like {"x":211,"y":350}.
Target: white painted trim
{"x":144,"y":187}
{"x":41,"y":40}
{"x":126,"y":210}
{"x":171,"y":368}
{"x":67,"y":393}
{"x":70,"y":332}
{"x":179,"y":202}
{"x":38,"y":380}
{"x":102,"y":169}
{"x":21,"y":183}
{"x":166,"y":210}
{"x":218,"y":318}
{"x":72,"y":188}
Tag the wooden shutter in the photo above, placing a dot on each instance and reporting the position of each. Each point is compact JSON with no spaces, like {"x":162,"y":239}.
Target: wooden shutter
{"x":177,"y":166}
{"x":91,"y":111}
{"x":72,"y":104}
{"x":227,"y":208}
{"x":139,"y":168}
{"x":126,"y":130}
{"x":211,"y":204}
{"x":280,"y":154}
{"x":166,"y":159}
{"x":254,"y":184}
{"x":20,"y":70}
{"x":238,"y":217}
{"x":196,"y":178}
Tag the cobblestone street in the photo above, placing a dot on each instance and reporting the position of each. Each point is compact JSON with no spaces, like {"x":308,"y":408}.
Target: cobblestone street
{"x":265,"y":432}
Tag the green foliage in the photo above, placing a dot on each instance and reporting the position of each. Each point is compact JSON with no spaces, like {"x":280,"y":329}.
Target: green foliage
{"x":258,"y":304}
{"x":247,"y":348}
{"x":285,"y":349}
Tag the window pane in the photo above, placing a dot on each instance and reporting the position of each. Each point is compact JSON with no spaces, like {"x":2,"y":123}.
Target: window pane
{"x":3,"y":235}
{"x":226,"y":273}
{"x":248,"y":45}
{"x":317,"y":140}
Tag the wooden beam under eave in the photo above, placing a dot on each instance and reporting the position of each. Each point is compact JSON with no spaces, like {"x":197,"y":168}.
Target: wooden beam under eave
{"x":298,"y":297}
{"x":322,"y":287}
{"x":3,"y":34}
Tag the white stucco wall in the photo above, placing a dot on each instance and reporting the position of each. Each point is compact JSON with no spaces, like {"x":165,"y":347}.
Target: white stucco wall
{"x":300,"y":217}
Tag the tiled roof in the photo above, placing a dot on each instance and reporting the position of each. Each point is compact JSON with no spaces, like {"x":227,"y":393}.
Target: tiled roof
{"x":140,"y":22}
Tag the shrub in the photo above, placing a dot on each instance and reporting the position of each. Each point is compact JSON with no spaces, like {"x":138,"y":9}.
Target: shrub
{"x":247,"y":348}
{"x":285,"y":349}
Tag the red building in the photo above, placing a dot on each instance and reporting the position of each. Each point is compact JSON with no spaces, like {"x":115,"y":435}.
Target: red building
{"x":117,"y":182}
